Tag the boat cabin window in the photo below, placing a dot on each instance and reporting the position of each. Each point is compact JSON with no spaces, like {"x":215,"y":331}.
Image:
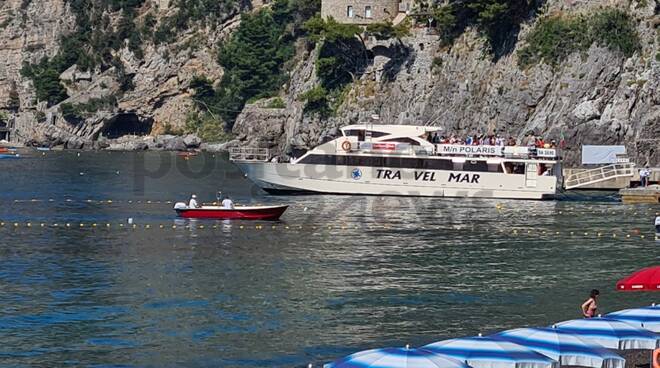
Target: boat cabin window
{"x":476,"y":165}
{"x":514,"y":167}
{"x":375,"y":134}
{"x":545,"y":169}
{"x":362,"y":134}
{"x":401,"y":163}
{"x":402,"y":140}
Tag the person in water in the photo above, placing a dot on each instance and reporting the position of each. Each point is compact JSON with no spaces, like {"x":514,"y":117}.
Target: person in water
{"x":193,"y":202}
{"x":227,"y":203}
{"x":590,"y":307}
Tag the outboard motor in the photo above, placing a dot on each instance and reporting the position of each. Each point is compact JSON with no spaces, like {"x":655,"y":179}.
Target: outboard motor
{"x":180,"y":206}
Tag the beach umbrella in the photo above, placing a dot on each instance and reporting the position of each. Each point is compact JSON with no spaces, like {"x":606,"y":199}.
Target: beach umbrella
{"x":645,"y":317}
{"x":564,"y":347}
{"x":396,"y":358}
{"x":487,"y":352}
{"x":646,"y":279}
{"x":611,"y":333}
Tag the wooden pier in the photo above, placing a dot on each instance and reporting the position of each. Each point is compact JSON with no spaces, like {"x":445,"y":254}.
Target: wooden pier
{"x":649,"y":194}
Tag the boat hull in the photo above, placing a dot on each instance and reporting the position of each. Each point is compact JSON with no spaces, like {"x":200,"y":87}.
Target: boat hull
{"x":282,"y":178}
{"x":252,"y":213}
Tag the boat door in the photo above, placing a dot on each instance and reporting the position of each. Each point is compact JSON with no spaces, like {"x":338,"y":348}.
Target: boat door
{"x":531,"y":173}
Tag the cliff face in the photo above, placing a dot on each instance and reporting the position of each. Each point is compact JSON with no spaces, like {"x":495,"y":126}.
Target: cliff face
{"x":157,"y":100}
{"x":594,"y":97}
{"x":597,"y":96}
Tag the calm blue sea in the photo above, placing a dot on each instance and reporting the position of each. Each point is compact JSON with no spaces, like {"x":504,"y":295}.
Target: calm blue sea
{"x":336,"y":275}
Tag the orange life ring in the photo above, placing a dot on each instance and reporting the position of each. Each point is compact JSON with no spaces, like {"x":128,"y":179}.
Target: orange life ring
{"x":346,"y":146}
{"x":656,"y":358}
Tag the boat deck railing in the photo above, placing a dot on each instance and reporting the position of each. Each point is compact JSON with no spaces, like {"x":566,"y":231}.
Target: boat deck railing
{"x":249,"y":154}
{"x":455,"y":150}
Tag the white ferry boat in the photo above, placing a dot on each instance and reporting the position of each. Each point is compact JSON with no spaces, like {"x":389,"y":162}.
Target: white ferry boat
{"x":399,"y":160}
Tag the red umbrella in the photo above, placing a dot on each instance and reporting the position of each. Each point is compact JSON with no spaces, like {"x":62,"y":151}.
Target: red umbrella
{"x":646,"y":279}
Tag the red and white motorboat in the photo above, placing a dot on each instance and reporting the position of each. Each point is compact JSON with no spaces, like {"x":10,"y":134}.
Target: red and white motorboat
{"x":238,"y":212}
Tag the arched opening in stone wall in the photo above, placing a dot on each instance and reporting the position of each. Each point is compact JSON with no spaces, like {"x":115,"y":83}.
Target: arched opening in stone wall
{"x":126,"y":124}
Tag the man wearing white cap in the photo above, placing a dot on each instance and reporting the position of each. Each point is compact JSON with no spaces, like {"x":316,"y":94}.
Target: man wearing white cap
{"x":193,"y":202}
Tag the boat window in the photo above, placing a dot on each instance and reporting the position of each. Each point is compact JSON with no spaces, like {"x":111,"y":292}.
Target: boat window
{"x":370,"y":161}
{"x":353,"y":132}
{"x":376,"y":134}
{"x":319,"y":160}
{"x":514,"y":168}
{"x":403,"y":140}
{"x":475,"y":165}
{"x":409,"y":163}
{"x":438,"y":164}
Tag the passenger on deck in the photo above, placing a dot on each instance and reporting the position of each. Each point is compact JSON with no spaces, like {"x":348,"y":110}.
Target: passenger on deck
{"x":193,"y":202}
{"x":530,"y":141}
{"x":499,"y":141}
{"x":553,"y":144}
{"x":511,"y":142}
{"x":539,"y":142}
{"x":227,"y":203}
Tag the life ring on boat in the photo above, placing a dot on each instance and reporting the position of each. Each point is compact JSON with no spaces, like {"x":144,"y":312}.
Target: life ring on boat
{"x":346,"y":146}
{"x":656,"y":358}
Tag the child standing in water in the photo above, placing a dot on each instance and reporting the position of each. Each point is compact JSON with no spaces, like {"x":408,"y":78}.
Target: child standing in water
{"x":590,"y":307}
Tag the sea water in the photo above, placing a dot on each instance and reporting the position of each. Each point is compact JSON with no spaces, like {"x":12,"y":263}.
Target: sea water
{"x":80,"y":286}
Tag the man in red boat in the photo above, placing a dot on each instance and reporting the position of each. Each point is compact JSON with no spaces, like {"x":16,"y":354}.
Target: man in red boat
{"x":227,"y":203}
{"x":193,"y":202}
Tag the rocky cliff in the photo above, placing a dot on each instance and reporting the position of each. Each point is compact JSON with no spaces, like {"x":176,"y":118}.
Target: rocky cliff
{"x":594,"y":97}
{"x":127,"y":94}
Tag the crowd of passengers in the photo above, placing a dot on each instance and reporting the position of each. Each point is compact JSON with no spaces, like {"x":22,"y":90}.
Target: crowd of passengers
{"x":491,"y":140}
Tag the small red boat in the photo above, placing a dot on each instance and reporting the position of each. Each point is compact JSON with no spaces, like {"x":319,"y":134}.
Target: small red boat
{"x":239,"y":213}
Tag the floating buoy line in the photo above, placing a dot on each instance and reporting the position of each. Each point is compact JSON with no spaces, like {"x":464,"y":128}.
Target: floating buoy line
{"x":313,"y":229}
{"x":652,"y":210}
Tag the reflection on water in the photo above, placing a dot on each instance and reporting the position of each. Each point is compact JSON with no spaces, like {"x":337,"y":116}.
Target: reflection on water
{"x":336,"y":275}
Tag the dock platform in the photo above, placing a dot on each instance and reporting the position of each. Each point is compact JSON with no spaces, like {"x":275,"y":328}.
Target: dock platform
{"x":649,"y":194}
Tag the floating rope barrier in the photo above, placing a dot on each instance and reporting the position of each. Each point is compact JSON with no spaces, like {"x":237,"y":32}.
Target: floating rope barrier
{"x":651,"y":210}
{"x":334,"y":229}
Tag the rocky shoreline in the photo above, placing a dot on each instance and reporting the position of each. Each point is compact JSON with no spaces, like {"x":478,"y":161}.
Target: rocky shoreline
{"x":161,"y":142}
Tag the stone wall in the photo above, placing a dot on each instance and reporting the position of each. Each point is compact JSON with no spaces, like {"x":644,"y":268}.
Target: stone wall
{"x":381,"y":10}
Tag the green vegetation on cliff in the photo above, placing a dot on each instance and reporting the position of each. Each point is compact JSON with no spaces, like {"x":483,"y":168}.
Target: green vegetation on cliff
{"x":554,"y":38}
{"x":91,"y":45}
{"x":497,"y":20}
{"x":254,"y":58}
{"x":190,"y":13}
{"x":342,"y":58}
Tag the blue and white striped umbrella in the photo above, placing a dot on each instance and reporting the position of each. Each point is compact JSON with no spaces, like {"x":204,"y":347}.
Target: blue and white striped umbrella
{"x":396,"y":358}
{"x":567,"y":348}
{"x":611,"y":333}
{"x":645,"y":317}
{"x":486,"y":352}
